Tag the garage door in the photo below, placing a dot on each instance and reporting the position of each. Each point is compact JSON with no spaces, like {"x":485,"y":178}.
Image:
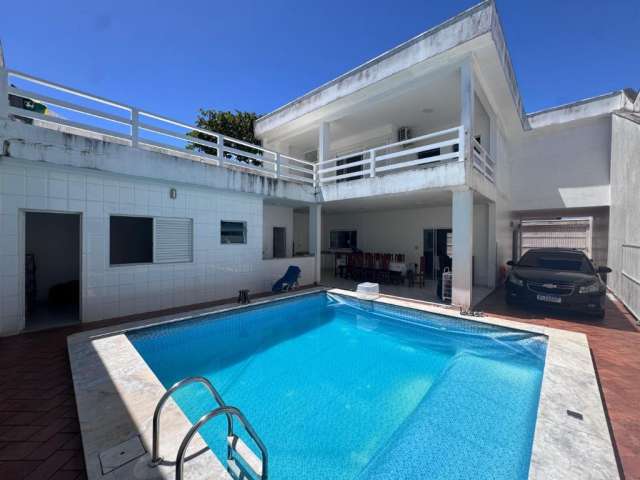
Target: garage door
{"x":556,"y":233}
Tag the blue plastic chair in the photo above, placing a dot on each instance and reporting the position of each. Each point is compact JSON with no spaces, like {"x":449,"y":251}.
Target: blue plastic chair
{"x":288,"y":281}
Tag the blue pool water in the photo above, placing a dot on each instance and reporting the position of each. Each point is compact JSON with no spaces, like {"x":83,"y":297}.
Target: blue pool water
{"x":342,"y":389}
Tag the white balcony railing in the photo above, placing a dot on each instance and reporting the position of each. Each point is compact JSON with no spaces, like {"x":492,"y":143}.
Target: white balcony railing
{"x":482,"y":162}
{"x":84,"y":113}
{"x":430,"y":149}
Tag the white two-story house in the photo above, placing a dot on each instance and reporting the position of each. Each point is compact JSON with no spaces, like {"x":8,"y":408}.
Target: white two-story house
{"x":423,"y":152}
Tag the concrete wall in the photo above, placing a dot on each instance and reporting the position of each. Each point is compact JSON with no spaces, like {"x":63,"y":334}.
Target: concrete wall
{"x":624,"y":231}
{"x":217,"y":272}
{"x":276,"y":216}
{"x":301,"y":231}
{"x":36,"y":144}
{"x":446,"y":175}
{"x":481,"y":125}
{"x":275,"y":268}
{"x":401,"y":231}
{"x":504,"y":217}
{"x":563,"y":166}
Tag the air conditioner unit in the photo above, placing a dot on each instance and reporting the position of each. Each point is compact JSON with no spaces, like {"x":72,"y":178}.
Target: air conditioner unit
{"x":311,"y":156}
{"x":404,"y":133}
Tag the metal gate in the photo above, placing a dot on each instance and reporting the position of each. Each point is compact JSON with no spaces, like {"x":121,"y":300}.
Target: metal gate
{"x":557,"y":233}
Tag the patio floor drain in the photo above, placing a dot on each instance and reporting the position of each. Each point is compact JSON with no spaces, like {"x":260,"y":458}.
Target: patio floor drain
{"x":573,"y":414}
{"x":123,"y":453}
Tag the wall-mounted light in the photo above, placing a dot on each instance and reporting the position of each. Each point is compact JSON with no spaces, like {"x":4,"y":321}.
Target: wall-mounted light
{"x":173,"y":193}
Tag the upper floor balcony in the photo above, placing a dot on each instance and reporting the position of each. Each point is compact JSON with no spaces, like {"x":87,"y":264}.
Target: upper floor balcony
{"x":431,"y":150}
{"x":431,"y":128}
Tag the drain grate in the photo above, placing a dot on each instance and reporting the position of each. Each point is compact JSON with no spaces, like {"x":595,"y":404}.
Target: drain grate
{"x":573,"y":414}
{"x":123,"y":453}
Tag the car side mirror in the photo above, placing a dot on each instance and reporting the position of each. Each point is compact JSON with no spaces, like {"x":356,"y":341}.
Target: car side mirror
{"x":510,"y":263}
{"x":604,"y":270}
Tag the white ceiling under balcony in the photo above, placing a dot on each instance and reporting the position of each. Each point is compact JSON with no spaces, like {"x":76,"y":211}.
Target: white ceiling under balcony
{"x":431,"y":102}
{"x":424,"y":103}
{"x":417,"y":199}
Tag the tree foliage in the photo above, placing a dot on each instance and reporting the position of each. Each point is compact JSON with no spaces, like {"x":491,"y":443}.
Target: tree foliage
{"x":236,"y":124}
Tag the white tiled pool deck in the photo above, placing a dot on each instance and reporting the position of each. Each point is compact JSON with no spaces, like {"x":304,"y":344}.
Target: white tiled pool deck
{"x":117,"y":392}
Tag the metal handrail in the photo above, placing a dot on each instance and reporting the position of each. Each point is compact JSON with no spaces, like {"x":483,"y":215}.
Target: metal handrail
{"x":228,"y":411}
{"x":156,"y":459}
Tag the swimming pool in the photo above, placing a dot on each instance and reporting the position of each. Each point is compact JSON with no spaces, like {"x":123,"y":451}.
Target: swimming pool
{"x":344,"y":389}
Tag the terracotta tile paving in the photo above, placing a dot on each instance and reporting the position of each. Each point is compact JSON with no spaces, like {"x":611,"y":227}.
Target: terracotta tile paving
{"x":39,"y":431}
{"x":615,"y":348}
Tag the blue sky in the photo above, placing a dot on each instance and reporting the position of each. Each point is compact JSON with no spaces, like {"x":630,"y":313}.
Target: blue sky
{"x":174,"y":57}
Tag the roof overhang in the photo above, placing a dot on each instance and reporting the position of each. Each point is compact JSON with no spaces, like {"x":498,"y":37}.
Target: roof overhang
{"x":442,"y":43}
{"x":620,"y":100}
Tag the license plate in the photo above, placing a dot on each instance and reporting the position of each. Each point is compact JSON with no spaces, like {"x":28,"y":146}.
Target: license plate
{"x":549,"y":298}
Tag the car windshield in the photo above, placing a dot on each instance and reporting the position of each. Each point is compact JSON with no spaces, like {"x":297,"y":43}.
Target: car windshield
{"x":567,"y":261}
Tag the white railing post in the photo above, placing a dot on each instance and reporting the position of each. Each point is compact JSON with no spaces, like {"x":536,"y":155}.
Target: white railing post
{"x":4,"y":91}
{"x":221,"y":149}
{"x":135,"y":129}
{"x":372,"y":160}
{"x":461,"y":146}
{"x":316,"y":175}
{"x":485,"y":163}
{"x":277,"y":165}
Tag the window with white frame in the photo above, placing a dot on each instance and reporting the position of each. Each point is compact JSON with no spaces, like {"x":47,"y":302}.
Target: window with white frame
{"x":143,"y":240}
{"x":233,"y":232}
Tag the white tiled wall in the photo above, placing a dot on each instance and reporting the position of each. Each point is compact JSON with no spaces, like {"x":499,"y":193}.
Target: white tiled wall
{"x":218,"y":271}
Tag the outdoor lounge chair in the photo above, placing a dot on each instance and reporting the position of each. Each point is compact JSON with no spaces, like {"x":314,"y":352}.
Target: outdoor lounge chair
{"x":288,"y":281}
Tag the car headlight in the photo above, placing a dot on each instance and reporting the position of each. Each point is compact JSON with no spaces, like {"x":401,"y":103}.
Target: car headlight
{"x":516,"y":281}
{"x":591,"y":288}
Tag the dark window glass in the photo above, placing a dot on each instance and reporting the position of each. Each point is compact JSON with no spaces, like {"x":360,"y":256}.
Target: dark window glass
{"x":567,"y":261}
{"x":130,"y":240}
{"x":430,"y":153}
{"x":344,"y":239}
{"x":343,"y":171}
{"x":233,"y":232}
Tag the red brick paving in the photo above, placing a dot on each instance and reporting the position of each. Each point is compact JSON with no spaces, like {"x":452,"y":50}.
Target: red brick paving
{"x":39,"y":430}
{"x":615,"y":348}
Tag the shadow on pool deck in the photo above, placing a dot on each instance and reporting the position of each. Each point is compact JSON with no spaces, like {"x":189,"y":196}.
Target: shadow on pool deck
{"x":39,"y":431}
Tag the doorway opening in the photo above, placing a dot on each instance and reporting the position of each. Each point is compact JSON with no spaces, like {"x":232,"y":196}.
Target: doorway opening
{"x":52,"y":269}
{"x":437,"y":251}
{"x":279,"y":242}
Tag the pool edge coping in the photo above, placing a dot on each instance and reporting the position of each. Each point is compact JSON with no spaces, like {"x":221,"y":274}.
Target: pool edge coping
{"x":563,"y":446}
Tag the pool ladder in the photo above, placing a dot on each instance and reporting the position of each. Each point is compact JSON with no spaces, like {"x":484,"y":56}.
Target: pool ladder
{"x":250,"y":466}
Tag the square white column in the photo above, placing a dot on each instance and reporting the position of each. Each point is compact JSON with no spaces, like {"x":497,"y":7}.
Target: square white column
{"x":315,"y":239}
{"x":462,"y":226}
{"x":492,"y":266}
{"x":467,"y":110}
{"x":324,"y":141}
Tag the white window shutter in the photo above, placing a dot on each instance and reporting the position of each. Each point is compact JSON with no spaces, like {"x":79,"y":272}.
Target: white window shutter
{"x":173,"y":240}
